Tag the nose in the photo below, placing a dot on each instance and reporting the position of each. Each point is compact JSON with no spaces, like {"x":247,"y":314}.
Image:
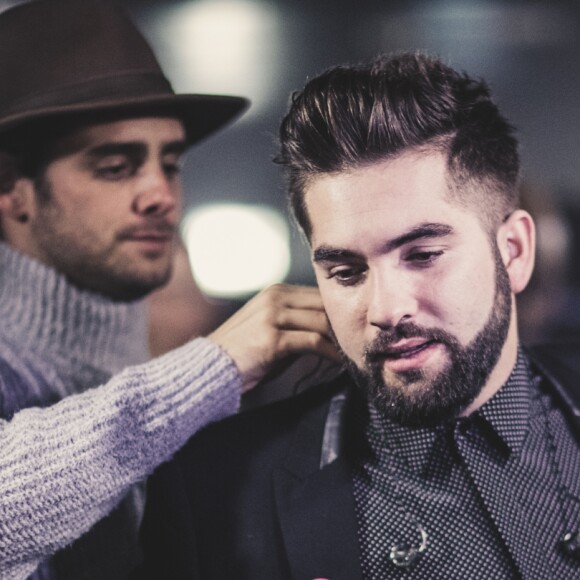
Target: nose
{"x":391,"y":300}
{"x":157,"y":194}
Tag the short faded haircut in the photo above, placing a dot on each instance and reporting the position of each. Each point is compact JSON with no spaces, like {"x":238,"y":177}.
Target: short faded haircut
{"x":353,"y":116}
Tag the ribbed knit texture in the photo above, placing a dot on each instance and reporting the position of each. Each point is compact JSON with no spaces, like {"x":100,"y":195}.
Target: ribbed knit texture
{"x":65,"y":467}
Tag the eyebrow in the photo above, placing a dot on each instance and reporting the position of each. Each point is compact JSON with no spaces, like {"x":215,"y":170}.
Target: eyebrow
{"x":134,"y":149}
{"x":174,"y":147}
{"x":422,"y":231}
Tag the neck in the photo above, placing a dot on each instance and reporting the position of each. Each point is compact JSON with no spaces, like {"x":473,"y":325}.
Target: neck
{"x":41,"y":311}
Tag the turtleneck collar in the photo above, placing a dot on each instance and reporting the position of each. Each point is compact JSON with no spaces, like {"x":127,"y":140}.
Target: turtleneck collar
{"x":41,"y":311}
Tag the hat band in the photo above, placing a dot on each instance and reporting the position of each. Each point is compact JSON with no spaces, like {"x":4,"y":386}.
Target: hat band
{"x":94,"y":92}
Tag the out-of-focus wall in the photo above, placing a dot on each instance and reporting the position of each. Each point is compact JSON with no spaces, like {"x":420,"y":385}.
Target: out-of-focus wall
{"x":529,"y":51}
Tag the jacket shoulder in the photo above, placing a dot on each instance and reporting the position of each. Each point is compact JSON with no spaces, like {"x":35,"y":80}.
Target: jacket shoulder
{"x":262,"y":431}
{"x":211,"y":509}
{"x":560,"y":352}
{"x":559,"y":362}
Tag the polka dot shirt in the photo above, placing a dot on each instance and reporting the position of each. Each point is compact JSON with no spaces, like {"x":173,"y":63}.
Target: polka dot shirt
{"x":494,"y":492}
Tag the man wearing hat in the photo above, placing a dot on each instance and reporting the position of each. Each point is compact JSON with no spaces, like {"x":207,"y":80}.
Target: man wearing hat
{"x":91,"y":140}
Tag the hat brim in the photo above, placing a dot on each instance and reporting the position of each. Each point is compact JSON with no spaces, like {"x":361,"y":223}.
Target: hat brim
{"x":200,"y":114}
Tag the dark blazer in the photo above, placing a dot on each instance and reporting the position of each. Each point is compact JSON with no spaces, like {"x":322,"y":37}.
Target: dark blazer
{"x":247,"y":498}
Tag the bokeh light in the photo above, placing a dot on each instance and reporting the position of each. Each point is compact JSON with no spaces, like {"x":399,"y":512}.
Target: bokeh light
{"x":236,"y":249}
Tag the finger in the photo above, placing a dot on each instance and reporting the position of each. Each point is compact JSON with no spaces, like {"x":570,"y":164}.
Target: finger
{"x":291,"y":296}
{"x":310,"y":320}
{"x":273,"y":307}
{"x":300,"y":342}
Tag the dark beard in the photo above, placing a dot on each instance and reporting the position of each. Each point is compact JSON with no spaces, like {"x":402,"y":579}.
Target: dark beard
{"x":88,"y":271}
{"x":456,"y":387}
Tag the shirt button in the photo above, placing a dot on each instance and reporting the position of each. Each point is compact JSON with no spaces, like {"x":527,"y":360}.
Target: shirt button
{"x":463,"y":427}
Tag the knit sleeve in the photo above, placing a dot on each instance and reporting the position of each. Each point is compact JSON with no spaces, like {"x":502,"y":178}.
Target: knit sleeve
{"x":64,"y":467}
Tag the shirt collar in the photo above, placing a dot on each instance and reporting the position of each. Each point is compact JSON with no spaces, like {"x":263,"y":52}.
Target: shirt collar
{"x":412,"y":444}
{"x":507,"y":413}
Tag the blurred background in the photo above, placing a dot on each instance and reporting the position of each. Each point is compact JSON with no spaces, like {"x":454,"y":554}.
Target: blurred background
{"x":235,"y":223}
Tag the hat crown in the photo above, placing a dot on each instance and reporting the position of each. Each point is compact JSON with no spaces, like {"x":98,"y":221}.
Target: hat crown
{"x":49,"y":46}
{"x":71,"y":58}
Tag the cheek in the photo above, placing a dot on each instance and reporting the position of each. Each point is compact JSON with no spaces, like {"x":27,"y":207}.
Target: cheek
{"x":179,"y":204}
{"x":464,"y":301}
{"x":104,"y":217}
{"x":346,"y":315}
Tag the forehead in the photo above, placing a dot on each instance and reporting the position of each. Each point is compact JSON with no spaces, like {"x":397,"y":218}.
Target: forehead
{"x":152,"y":131}
{"x":383,"y":199}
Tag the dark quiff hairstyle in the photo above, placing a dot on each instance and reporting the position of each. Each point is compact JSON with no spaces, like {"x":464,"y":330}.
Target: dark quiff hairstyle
{"x":352,"y":116}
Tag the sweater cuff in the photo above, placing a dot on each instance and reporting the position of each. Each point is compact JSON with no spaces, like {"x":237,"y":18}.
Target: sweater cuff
{"x":204,"y":375}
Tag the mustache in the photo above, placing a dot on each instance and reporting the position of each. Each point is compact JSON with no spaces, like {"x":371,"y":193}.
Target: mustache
{"x":156,"y":228}
{"x":377,"y":348}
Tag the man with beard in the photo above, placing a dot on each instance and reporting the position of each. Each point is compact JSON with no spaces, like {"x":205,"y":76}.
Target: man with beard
{"x":412,"y":397}
{"x":91,"y":141}
{"x":447,"y":449}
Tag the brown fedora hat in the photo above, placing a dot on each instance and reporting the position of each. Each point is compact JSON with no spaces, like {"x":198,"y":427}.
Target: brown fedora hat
{"x":65,"y":58}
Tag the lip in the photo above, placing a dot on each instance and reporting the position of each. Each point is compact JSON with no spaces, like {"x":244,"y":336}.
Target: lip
{"x":406,"y":347}
{"x":151,"y":236}
{"x":408,"y":355}
{"x":151,"y":241}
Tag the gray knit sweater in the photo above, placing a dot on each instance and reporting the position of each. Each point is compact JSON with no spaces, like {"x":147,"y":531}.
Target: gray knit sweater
{"x":66,"y":466}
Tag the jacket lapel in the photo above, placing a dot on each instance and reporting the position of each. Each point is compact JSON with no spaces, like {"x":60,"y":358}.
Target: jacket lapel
{"x":316,"y":509}
{"x":318,"y":523}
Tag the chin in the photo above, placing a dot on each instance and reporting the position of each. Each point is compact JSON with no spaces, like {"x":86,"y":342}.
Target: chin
{"x":124,"y":288}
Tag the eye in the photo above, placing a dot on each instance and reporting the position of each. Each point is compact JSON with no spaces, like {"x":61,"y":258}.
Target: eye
{"x":171,"y":166}
{"x":114,"y":169}
{"x":347,"y":275}
{"x":171,"y":170}
{"x":423,"y":257}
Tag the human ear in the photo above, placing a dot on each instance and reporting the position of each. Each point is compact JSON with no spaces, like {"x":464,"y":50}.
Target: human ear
{"x":516,"y":239}
{"x":17,"y":203}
